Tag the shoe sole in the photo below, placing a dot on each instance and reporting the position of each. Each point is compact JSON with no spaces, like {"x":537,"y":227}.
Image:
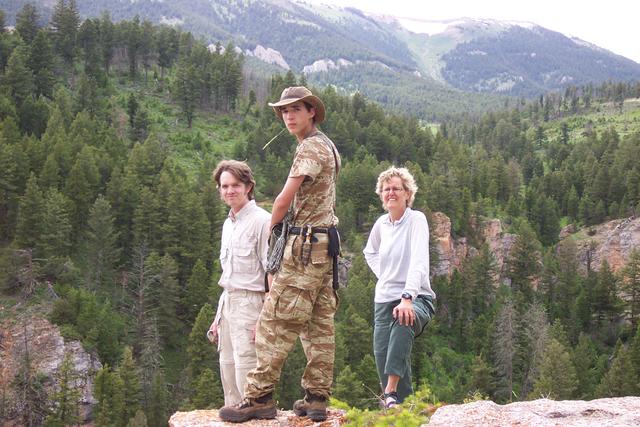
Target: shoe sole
{"x":317,"y":415}
{"x":313,"y":415}
{"x":261,"y":414}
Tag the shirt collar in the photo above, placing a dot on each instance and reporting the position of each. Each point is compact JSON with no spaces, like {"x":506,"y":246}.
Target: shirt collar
{"x":243,"y":212}
{"x":404,"y":216}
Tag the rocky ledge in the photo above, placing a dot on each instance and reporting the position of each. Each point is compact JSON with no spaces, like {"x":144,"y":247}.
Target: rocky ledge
{"x":618,"y":412}
{"x":209,"y":418}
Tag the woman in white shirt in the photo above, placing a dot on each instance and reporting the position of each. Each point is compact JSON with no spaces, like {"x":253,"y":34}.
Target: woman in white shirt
{"x":398,"y":254}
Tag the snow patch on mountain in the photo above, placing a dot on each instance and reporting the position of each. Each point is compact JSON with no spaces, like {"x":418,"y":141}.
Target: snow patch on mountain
{"x":433,"y":27}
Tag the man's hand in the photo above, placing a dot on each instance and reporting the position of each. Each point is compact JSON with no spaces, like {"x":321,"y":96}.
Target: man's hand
{"x":404,"y":312}
{"x":212,"y":334}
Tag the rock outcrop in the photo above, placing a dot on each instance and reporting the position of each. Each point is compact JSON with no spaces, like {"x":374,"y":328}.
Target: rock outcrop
{"x":619,"y":412}
{"x":210,"y":418}
{"x":47,"y":349}
{"x":452,"y":252}
{"x":612,"y":241}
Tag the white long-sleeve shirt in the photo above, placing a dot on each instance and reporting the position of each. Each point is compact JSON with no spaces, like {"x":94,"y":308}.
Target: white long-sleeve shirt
{"x":243,"y":251}
{"x":398,"y":254}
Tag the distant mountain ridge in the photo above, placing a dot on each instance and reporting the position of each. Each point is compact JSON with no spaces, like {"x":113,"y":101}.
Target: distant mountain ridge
{"x":511,"y":58}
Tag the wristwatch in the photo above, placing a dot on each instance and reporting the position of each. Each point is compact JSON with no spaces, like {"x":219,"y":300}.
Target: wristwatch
{"x":407,"y":295}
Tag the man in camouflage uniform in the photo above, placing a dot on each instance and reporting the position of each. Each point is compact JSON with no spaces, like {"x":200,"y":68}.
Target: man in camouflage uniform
{"x":302,"y":301}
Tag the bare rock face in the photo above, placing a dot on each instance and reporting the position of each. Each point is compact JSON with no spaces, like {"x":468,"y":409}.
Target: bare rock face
{"x":210,"y":418}
{"x":618,"y":412}
{"x":612,"y":241}
{"x":47,"y":349}
{"x":499,"y":243}
{"x":452,"y":252}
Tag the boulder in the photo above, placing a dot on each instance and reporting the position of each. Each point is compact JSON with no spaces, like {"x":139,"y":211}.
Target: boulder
{"x":618,"y":412}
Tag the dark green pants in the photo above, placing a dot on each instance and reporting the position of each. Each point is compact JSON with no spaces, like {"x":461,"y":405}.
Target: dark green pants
{"x":392,"y":342}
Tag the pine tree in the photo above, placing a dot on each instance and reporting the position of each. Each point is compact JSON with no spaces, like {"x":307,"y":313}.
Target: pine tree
{"x":81,"y":187}
{"x":140,"y":288}
{"x":349,"y":388}
{"x":533,"y":342}
{"x":185,"y":89}
{"x":41,"y":61}
{"x":131,"y":387}
{"x":67,"y":397}
{"x":201,"y":352}
{"x":27,"y":23}
{"x":481,"y":377}
{"x":621,"y":378}
{"x":32,"y":401}
{"x":18,"y":78}
{"x":505,"y":348}
{"x":557,"y":375}
{"x":164,"y":297}
{"x":206,"y":393}
{"x":108,"y":391}
{"x":585,"y":360}
{"x":185,"y":230}
{"x":50,"y":174}
{"x":101,"y":252}
{"x":634,"y":351}
{"x":133,"y":36}
{"x":158,"y":407}
{"x":631,"y":286}
{"x":523,"y":262}
{"x":107,"y":40}
{"x":65,"y":22}
{"x":139,"y":419}
{"x":28,"y":228}
{"x":368,"y":375}
{"x":197,"y":290}
{"x":55,"y":241}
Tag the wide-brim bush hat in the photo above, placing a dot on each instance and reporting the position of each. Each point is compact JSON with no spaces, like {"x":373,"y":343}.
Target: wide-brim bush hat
{"x":299,"y":93}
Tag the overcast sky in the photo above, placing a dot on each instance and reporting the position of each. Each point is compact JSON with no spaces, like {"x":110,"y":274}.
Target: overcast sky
{"x":613,"y":24}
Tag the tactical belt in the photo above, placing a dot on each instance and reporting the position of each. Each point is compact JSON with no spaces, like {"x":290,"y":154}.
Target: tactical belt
{"x":334,"y":244}
{"x":301,"y":231}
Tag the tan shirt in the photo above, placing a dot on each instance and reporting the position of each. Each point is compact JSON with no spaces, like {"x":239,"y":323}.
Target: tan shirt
{"x":243,"y":252}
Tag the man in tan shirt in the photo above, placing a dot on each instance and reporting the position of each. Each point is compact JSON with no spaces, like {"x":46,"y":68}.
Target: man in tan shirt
{"x":243,"y":257}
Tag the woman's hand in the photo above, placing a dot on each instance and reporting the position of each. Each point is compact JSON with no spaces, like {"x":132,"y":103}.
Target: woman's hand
{"x":404,"y":313}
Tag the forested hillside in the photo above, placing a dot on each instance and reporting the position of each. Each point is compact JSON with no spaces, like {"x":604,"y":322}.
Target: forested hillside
{"x":108,"y":136}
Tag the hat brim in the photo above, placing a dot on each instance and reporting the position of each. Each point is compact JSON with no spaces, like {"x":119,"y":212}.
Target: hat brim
{"x":315,"y":102}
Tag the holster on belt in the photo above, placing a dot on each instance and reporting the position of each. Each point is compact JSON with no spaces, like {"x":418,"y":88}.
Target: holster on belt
{"x":334,"y":252}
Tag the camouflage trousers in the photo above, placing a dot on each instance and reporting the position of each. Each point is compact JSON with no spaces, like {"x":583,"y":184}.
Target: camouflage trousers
{"x":301,"y":303}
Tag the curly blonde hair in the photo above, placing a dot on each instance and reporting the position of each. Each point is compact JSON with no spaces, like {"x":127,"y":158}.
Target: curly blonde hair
{"x":408,"y":182}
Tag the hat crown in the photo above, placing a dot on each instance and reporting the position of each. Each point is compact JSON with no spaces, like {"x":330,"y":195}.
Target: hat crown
{"x":295,"y":92}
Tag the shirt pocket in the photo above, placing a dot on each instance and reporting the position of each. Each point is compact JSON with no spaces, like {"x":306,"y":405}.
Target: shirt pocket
{"x":224,"y":255}
{"x":244,"y":257}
